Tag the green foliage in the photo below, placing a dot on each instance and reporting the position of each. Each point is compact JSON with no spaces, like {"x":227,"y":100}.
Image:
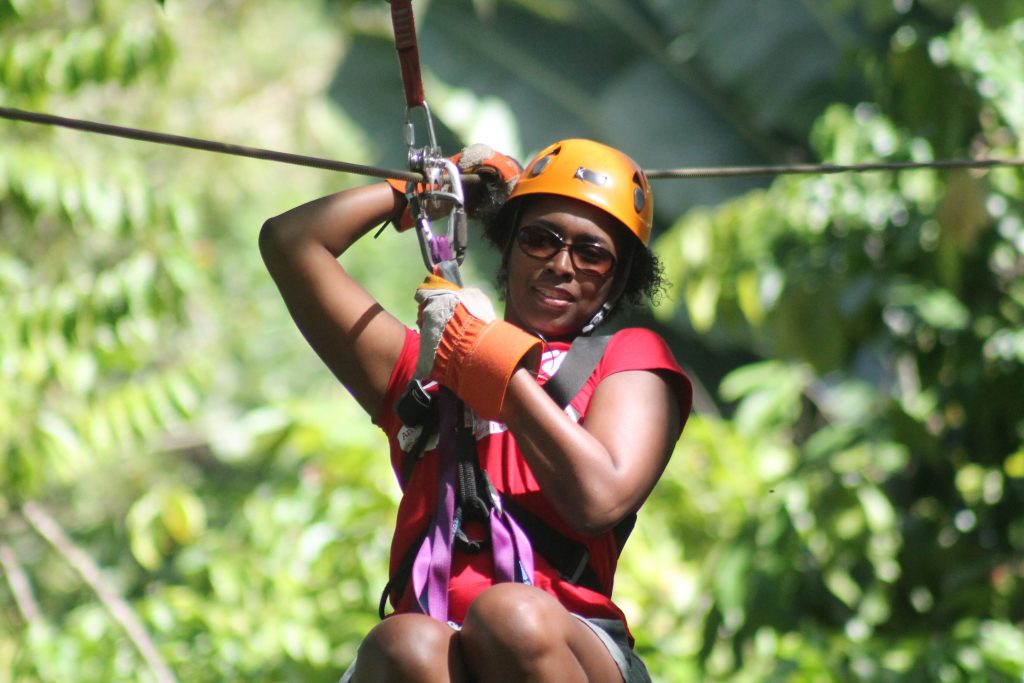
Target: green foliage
{"x":88,"y":283}
{"x":282,"y":581}
{"x":890,"y":550}
{"x":136,"y":310}
{"x":673,"y":84}
{"x":846,"y":507}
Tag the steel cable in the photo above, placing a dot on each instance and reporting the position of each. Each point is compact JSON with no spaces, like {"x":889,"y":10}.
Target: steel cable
{"x":209,"y":145}
{"x":784,"y":169}
{"x":377,"y":172}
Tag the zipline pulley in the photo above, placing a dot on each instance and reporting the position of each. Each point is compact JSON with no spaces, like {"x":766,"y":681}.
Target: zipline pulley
{"x":442,"y":184}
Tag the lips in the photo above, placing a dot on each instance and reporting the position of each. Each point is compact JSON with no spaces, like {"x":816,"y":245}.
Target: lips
{"x":553,"y":296}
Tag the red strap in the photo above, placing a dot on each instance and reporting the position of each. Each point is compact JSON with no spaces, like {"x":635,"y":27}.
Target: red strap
{"x":408,"y":51}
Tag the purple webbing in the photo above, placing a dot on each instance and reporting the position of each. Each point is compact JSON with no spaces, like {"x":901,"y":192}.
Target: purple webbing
{"x":441,"y":249}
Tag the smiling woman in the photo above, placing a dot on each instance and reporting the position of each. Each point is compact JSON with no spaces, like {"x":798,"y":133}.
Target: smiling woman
{"x":581,"y":182}
{"x":482,"y":584}
{"x":561,"y":274}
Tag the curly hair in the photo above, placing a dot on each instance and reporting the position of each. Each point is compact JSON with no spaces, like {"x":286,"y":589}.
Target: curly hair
{"x":643,"y":270}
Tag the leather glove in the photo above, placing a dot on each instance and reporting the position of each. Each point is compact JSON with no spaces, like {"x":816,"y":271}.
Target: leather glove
{"x":500,"y":173}
{"x":463,"y":346}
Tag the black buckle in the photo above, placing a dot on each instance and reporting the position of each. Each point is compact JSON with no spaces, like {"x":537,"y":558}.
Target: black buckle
{"x":470,"y":545}
{"x":414,"y":405}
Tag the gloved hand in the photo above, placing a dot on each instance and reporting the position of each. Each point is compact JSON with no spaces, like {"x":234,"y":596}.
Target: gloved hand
{"x":464,"y":347}
{"x":500,"y":173}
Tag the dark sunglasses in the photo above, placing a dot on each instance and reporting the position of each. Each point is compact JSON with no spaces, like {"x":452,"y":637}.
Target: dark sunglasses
{"x":539,"y":242}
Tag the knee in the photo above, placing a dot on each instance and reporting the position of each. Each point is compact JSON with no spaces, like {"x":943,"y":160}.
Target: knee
{"x":408,"y":648}
{"x":512,"y":620}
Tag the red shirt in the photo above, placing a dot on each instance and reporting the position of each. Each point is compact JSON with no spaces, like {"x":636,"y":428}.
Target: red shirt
{"x":629,"y":349}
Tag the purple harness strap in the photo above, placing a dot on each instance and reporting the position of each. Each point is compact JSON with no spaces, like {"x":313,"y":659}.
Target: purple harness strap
{"x":510,"y":546}
{"x":513,"y":554}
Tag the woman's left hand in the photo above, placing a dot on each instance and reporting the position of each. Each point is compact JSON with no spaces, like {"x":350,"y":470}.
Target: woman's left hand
{"x":465,"y":348}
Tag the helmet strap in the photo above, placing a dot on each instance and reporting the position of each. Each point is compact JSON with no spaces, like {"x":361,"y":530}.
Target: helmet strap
{"x":621,"y":277}
{"x":598,"y":318}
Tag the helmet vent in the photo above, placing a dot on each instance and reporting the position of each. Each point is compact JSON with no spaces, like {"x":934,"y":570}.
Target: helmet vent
{"x":540,"y":165}
{"x":638,"y":200}
{"x":599,"y":179}
{"x":639,"y":194}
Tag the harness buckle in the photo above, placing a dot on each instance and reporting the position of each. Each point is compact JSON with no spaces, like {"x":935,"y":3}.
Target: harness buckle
{"x":413,"y":407}
{"x":460,"y":537}
{"x":493,"y":493}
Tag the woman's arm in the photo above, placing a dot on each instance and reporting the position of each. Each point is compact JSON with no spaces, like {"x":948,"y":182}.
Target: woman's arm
{"x":596,"y":475}
{"x":354,"y":336}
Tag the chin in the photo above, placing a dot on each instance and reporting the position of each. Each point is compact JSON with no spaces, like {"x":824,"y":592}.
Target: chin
{"x":547,"y":323}
{"x":553,"y":329}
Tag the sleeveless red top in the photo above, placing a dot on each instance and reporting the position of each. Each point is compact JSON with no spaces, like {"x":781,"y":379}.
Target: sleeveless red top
{"x":629,"y":349}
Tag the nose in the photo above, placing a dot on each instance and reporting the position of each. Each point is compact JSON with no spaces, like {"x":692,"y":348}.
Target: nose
{"x":561,"y":262}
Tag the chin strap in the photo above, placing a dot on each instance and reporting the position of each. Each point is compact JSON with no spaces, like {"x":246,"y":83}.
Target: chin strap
{"x":598,"y":318}
{"x":602,"y":314}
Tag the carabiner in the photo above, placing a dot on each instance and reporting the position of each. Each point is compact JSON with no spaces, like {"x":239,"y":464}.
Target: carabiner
{"x":418,"y":157}
{"x":441,"y":252}
{"x":442,"y":181}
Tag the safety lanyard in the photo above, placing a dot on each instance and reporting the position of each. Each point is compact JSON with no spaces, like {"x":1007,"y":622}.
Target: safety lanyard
{"x":510,"y":546}
{"x":442,"y":184}
{"x":442,"y":255}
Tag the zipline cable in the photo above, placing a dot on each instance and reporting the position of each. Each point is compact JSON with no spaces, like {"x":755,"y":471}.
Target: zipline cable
{"x":208,"y":145}
{"x":784,"y":169}
{"x":373,"y":171}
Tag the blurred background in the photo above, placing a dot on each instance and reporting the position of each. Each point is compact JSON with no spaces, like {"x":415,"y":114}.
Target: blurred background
{"x":187,"y":494}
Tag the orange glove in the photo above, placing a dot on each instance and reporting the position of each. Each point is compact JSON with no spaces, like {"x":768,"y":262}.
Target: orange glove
{"x":500,"y":173}
{"x":464,"y":348}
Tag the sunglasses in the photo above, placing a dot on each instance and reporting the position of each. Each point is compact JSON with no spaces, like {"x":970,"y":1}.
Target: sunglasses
{"x":541,"y":243}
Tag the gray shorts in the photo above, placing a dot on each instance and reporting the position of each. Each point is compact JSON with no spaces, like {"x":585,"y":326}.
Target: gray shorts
{"x":611,"y":632}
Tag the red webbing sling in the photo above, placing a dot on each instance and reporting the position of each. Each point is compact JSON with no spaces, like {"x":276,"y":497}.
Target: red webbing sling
{"x":408,"y":51}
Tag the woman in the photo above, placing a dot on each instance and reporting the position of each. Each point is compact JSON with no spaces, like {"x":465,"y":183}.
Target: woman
{"x":573,"y":235}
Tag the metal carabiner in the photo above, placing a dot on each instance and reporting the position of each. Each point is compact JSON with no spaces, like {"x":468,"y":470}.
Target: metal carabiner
{"x":418,"y":157}
{"x":441,"y":252}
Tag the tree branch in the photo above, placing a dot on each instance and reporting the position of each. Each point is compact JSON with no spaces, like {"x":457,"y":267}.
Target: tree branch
{"x":49,"y":529}
{"x":19,"y":584}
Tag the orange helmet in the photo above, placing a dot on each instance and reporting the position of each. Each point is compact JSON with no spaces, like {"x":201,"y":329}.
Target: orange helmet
{"x":596,"y":174}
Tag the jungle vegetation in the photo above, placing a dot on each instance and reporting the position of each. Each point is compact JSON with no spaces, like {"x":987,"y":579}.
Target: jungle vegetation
{"x":186,"y":494}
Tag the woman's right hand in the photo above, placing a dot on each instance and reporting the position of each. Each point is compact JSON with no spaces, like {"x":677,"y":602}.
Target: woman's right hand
{"x":499,"y":173}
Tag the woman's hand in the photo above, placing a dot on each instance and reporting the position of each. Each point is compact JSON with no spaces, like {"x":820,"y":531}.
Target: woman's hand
{"x":464,"y":348}
{"x":499,"y":173}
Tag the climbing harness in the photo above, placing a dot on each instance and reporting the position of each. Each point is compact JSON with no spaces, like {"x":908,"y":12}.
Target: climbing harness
{"x":464,"y":494}
{"x":474,"y":498}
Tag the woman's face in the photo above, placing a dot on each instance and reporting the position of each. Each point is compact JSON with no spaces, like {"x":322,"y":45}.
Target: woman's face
{"x":555,"y":297}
